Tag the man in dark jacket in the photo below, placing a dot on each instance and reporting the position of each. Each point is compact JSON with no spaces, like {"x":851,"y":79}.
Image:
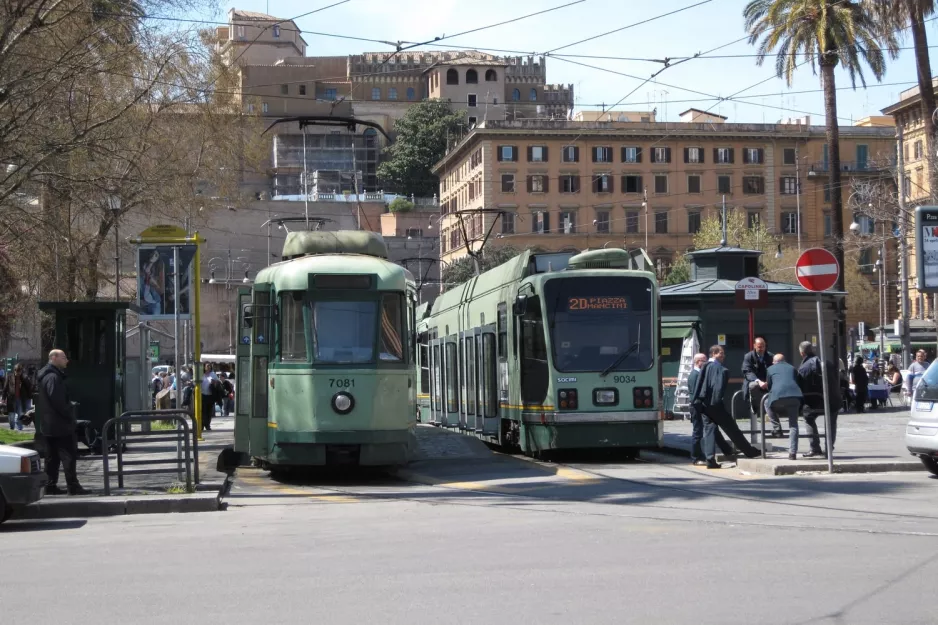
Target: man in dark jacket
{"x":696,"y":419}
{"x":708,"y":395}
{"x":785,"y":398}
{"x":755,"y":365}
{"x":811,"y":381}
{"x":57,"y":425}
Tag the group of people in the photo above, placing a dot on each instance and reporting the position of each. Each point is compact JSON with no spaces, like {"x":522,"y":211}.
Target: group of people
{"x":18,"y":390}
{"x":217,"y":389}
{"x":769,"y":382}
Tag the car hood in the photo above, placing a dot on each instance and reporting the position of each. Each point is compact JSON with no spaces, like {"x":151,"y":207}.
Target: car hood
{"x":9,"y":450}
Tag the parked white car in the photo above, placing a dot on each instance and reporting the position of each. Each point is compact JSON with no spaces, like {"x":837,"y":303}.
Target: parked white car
{"x":21,"y":479}
{"x":921,"y":433}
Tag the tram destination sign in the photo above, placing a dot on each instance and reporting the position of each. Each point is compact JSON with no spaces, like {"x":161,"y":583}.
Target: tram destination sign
{"x":926,"y":248}
{"x":597,"y":303}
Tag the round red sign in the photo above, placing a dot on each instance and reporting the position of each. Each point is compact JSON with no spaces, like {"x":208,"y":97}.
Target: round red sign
{"x":817,"y":269}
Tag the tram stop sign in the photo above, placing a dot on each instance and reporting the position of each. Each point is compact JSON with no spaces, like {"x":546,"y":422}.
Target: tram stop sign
{"x":817,"y":270}
{"x":752,"y":292}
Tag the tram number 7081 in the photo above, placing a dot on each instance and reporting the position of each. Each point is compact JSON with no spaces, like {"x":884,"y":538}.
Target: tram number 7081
{"x":341,"y":383}
{"x":624,"y":379}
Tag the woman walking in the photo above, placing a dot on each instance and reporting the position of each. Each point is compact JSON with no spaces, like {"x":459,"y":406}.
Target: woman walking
{"x":18,"y":391}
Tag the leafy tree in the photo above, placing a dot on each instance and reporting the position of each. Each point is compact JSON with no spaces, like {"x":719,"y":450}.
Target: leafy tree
{"x":422,"y":135}
{"x":679,"y":272}
{"x":401,"y":205}
{"x":738,"y":233}
{"x":824,"y":33}
{"x":463,"y":269}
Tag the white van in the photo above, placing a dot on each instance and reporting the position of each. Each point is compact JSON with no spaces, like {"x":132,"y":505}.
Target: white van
{"x":21,"y":479}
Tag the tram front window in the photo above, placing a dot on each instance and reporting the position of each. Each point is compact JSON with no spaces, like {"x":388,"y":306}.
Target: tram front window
{"x":344,"y":332}
{"x":596,"y":323}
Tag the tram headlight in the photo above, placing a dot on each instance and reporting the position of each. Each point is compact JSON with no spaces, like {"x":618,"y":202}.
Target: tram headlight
{"x":605,"y":397}
{"x":343,"y":403}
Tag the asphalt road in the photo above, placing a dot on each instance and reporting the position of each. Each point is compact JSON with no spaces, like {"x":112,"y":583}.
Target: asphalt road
{"x":498,"y":540}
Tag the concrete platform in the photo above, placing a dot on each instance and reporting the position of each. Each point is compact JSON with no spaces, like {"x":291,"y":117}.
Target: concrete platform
{"x":784,"y":466}
{"x":63,"y":507}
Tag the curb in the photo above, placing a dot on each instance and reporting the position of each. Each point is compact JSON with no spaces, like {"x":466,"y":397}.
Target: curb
{"x":118,"y":506}
{"x":793,"y":467}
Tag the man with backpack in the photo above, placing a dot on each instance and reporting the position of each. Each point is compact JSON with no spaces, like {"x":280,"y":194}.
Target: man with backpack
{"x":811,"y":381}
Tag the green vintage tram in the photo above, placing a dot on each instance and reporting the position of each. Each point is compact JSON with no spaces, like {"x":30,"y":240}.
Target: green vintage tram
{"x":326,"y":349}
{"x":547,"y":352}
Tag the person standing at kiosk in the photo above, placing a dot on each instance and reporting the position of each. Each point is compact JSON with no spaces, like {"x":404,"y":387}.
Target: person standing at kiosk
{"x":58,"y":426}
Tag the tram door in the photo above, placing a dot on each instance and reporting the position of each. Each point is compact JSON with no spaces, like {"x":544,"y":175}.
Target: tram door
{"x":436,"y":380}
{"x":243,"y":372}
{"x":261,"y":338}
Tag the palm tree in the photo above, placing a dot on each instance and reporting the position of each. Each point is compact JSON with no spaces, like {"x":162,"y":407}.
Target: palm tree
{"x":899,"y":15}
{"x":824,"y":33}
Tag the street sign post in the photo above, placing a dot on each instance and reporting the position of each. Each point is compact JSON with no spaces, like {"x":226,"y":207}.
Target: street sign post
{"x":817,"y":270}
{"x":752,"y":293}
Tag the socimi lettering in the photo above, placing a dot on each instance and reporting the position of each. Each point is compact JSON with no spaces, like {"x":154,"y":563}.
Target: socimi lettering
{"x":597,"y":303}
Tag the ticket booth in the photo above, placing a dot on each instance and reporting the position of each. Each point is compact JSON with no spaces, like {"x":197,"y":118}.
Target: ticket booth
{"x":92,"y":336}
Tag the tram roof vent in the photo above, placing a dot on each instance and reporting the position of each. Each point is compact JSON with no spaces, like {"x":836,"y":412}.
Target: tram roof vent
{"x":601,"y":259}
{"x":306,"y":243}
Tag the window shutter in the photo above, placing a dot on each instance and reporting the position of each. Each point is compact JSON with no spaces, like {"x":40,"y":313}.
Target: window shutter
{"x":640,"y":187}
{"x":593,"y":150}
{"x":745,"y":156}
{"x":535,"y":221}
{"x":530,"y":154}
{"x":716,"y":155}
{"x":638,"y":155}
{"x":546,"y":180}
{"x":499,"y":151}
{"x":700,"y":154}
{"x":612,"y":184}
{"x":732,"y":159}
{"x":667,"y":155}
{"x":546,"y":217}
{"x":652,"y":158}
{"x":576,"y":184}
{"x":622,"y":154}
{"x":761,"y":155}
{"x":545,"y":153}
{"x":576,"y":154}
{"x":761,"y":185}
{"x":514,"y":153}
{"x":686,"y":155}
{"x":530,"y":182}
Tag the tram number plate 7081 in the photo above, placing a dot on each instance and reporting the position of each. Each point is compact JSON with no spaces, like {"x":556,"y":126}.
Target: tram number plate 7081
{"x":624,"y":379}
{"x":341,"y":383}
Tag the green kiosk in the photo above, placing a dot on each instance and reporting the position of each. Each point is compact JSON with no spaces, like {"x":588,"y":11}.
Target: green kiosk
{"x":92,"y":334}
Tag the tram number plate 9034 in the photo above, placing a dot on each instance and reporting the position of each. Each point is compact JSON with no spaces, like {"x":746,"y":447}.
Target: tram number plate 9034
{"x":341,"y":383}
{"x":624,"y":379}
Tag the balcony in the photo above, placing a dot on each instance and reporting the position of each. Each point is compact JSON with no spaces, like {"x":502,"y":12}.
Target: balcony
{"x":870,"y":166}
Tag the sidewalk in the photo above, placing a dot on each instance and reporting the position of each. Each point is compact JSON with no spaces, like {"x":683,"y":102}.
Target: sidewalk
{"x":871,"y":442}
{"x":142,"y":494}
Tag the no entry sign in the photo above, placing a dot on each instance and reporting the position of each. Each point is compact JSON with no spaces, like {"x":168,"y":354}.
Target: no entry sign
{"x":817,"y":269}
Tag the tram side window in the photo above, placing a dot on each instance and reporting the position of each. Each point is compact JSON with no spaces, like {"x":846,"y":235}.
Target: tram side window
{"x":490,"y":373}
{"x":452,"y":399}
{"x":261,"y":316}
{"x":436,"y":401}
{"x":292,"y":327}
{"x":470,"y":377}
{"x":424,"y":364}
{"x":392,"y":346}
{"x":534,"y":372}
{"x":503,"y":332}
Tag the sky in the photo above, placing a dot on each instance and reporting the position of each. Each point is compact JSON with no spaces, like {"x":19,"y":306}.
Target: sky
{"x":697,"y":83}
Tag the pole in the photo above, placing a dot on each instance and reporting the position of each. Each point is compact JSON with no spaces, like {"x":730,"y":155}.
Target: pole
{"x":197,"y":338}
{"x":752,"y":325}
{"x":903,"y":256}
{"x":305,"y":184}
{"x":645,"y":202}
{"x":176,"y":324}
{"x":827,"y":406}
{"x":798,"y":196}
{"x":117,"y":259}
{"x":723,"y":217}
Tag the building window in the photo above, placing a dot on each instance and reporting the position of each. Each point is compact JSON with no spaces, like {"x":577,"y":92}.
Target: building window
{"x":602,"y":222}
{"x":508,"y":183}
{"x":411,"y":93}
{"x":920,"y":178}
{"x":865,"y":260}
{"x":828,"y":226}
{"x":789,"y":222}
{"x":507,"y":153}
{"x":330,"y":94}
{"x":452,"y":77}
{"x":867,"y":226}
{"x":788,"y":185}
{"x":471,"y":100}
{"x":472,"y":121}
{"x":264,"y":107}
{"x":602,"y":183}
{"x":570,"y":154}
{"x":753,"y":156}
{"x":302,"y":89}
{"x":724,"y":184}
{"x":284,"y":89}
{"x":723,"y":155}
{"x":533,"y":95}
{"x":693,"y":184}
{"x":661,"y":222}
{"x":753,"y":185}
{"x":568,"y":222}
{"x":906,"y":183}
{"x":753,"y":219}
{"x":537,"y":154}
{"x":276,"y":30}
{"x":788,"y":156}
{"x":376,"y":93}
{"x":414,"y":232}
{"x":240,"y":32}
{"x":250,"y":108}
{"x":570,"y":184}
{"x":491,"y":75}
{"x":537,"y":183}
{"x":661,"y":155}
{"x":472,"y":77}
{"x":918,"y":149}
{"x":631,"y":155}
{"x":392,"y":93}
{"x":693,"y":155}
{"x":516,"y":96}
{"x":540,"y":222}
{"x":827,"y":193}
{"x":508,"y":223}
{"x":661,"y":183}
{"x":631,"y":222}
{"x":602,"y":154}
{"x":631,"y":184}
{"x":693,"y":221}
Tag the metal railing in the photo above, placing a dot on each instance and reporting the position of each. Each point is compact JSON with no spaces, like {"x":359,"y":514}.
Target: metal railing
{"x":757,"y":422}
{"x":181,"y":436}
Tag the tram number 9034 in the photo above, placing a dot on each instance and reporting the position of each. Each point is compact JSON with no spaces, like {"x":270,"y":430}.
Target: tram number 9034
{"x":624,"y":379}
{"x":341,"y":383}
